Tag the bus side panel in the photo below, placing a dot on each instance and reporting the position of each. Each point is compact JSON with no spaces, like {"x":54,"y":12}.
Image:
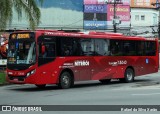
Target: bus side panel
{"x":145,"y":65}
{"x":159,"y":59}
{"x":47,"y":74}
{"x":151,"y":65}
{"x":114,"y":67}
{"x":111,"y":67}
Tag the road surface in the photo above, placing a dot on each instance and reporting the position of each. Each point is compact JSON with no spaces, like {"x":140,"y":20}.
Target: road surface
{"x":144,"y":91}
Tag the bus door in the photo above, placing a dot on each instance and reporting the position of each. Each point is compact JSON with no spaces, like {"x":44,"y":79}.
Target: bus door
{"x":150,"y":52}
{"x":47,"y":54}
{"x":86,"y":63}
{"x":141,"y":60}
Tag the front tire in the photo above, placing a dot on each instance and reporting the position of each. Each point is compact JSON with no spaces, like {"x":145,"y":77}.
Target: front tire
{"x":65,"y":80}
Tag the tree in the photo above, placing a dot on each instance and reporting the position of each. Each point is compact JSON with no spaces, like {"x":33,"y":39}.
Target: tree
{"x":28,"y":7}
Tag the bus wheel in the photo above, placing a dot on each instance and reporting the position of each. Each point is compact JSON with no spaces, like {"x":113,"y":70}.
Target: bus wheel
{"x":65,"y":80}
{"x":105,"y":81}
{"x":41,"y":86}
{"x":128,"y":76}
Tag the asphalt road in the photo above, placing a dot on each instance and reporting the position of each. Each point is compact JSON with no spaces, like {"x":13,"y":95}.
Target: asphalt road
{"x":144,"y":91}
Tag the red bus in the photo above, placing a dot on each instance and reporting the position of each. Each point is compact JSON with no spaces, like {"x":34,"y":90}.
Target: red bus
{"x":44,"y":57}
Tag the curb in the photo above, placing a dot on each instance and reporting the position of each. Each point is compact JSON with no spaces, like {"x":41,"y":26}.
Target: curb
{"x":4,"y":84}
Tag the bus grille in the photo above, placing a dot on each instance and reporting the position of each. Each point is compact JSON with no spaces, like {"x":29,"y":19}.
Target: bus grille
{"x":20,"y":78}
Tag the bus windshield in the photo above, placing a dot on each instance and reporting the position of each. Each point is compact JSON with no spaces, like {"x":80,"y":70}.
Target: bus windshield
{"x":22,"y":52}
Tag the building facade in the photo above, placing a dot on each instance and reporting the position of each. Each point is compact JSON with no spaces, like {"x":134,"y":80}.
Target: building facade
{"x":144,"y":17}
{"x":93,"y":15}
{"x":144,"y":14}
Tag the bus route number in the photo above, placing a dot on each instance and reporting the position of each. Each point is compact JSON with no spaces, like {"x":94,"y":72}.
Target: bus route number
{"x":122,"y":62}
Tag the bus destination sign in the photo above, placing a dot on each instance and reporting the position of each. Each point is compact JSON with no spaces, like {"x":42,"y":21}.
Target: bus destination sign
{"x":20,"y":36}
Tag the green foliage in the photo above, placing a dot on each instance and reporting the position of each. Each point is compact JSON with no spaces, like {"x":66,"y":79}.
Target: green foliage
{"x":28,"y":7}
{"x":2,"y":77}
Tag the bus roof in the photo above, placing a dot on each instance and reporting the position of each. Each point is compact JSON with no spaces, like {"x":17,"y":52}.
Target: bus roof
{"x":90,"y":34}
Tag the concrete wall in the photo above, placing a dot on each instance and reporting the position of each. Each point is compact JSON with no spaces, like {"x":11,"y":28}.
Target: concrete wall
{"x":55,"y":13}
{"x":57,"y":17}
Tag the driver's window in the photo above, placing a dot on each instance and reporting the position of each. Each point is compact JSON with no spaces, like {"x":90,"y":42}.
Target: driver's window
{"x":47,"y":50}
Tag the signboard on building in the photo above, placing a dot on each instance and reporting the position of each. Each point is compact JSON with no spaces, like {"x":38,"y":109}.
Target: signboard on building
{"x":125,"y":2}
{"x":95,"y":8}
{"x":99,"y":14}
{"x":157,"y":3}
{"x":122,"y":12}
{"x":95,"y":25}
{"x":95,"y":16}
{"x":143,"y":3}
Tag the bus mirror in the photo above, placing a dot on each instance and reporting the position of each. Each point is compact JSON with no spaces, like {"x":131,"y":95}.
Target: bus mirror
{"x":43,"y":49}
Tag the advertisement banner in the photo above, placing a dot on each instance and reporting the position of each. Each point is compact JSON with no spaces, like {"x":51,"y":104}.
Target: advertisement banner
{"x":125,"y":2}
{"x":158,"y":4}
{"x":95,"y":25}
{"x":90,"y":2}
{"x":123,"y":24}
{"x":122,"y":12}
{"x":95,"y":8}
{"x":143,"y":3}
{"x":95,"y":16}
{"x":98,"y":15}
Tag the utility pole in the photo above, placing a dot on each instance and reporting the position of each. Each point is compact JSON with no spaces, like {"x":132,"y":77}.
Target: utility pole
{"x":114,"y":21}
{"x":158,"y":18}
{"x":115,"y":17}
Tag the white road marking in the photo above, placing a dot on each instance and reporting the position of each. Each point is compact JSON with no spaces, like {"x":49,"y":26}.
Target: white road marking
{"x":142,"y":94}
{"x":130,"y":89}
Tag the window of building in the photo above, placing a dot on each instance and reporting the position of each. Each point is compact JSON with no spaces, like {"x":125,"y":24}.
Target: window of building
{"x":155,"y":19}
{"x":137,"y":17}
{"x":142,"y":17}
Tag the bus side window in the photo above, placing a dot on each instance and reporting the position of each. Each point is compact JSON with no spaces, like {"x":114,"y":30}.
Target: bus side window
{"x":66,"y":50}
{"x":140,"y":48}
{"x":77,"y":49}
{"x":66,"y":46}
{"x":101,"y":47}
{"x":87,"y":46}
{"x":51,"y":50}
{"x":129,"y":48}
{"x":116,"y":48}
{"x":150,"y":48}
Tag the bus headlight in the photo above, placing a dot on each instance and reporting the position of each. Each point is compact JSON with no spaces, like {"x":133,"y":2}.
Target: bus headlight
{"x":31,"y":72}
{"x":28,"y":74}
{"x":10,"y":73}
